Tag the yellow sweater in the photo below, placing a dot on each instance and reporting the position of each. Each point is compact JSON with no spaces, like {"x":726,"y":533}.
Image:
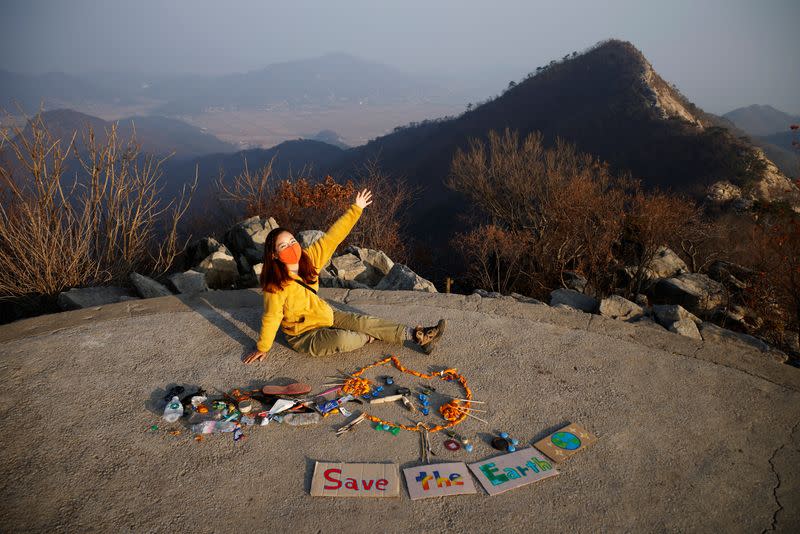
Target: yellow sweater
{"x":294,"y":308}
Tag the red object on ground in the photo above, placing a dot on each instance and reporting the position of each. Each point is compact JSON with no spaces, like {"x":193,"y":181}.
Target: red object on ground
{"x":297,"y":388}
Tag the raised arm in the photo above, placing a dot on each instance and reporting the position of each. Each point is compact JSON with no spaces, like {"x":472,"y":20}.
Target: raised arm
{"x":322,"y":249}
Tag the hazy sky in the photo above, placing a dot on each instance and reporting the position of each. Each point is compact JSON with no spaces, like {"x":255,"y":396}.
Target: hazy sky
{"x":721,"y":54}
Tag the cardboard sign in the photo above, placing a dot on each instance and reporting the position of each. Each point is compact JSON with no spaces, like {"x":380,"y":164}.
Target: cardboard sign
{"x":512,"y":470}
{"x":355,"y":480}
{"x":563,"y":443}
{"x":438,"y":480}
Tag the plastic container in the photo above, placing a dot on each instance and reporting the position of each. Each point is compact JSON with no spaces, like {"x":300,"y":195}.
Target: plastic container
{"x":300,"y":419}
{"x":173,"y":410}
{"x":213,"y":427}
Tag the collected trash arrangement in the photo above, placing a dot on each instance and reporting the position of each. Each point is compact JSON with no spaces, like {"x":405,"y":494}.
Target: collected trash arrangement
{"x":288,"y":404}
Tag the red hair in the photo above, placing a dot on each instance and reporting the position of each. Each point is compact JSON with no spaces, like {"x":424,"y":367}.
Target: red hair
{"x":274,"y":274}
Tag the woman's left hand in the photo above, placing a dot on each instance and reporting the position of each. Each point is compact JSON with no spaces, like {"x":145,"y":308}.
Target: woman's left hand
{"x":364,"y":199}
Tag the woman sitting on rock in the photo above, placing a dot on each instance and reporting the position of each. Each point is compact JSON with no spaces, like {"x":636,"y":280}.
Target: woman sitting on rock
{"x":290,"y":280}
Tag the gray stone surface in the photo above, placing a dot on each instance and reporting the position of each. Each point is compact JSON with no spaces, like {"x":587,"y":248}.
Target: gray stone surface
{"x":147,"y":287}
{"x":692,"y":436}
{"x":348,"y":266}
{"x":306,"y":238}
{"x":85,"y":297}
{"x":200,"y":249}
{"x":247,"y":237}
{"x":573,"y":299}
{"x":220,"y":270}
{"x":666,"y":263}
{"x":666,"y":314}
{"x":376,"y":264}
{"x":401,"y":277}
{"x":685,"y":327}
{"x":617,"y":307}
{"x":696,"y":292}
{"x":712,"y":332}
{"x":189,"y":282}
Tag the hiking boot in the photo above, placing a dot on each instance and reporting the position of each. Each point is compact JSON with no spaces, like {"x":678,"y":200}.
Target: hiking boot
{"x":426,"y":337}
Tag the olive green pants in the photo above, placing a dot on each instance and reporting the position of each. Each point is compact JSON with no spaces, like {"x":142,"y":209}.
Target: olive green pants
{"x":349,"y":332}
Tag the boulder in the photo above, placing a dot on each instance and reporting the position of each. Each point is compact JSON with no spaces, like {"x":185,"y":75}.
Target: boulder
{"x":723,"y":192}
{"x":247,"y":237}
{"x":200,"y":249}
{"x":617,"y":307}
{"x":400,"y":277}
{"x":686,"y":327}
{"x":666,"y":263}
{"x":712,"y":332}
{"x":147,"y":287}
{"x":86,"y":297}
{"x":573,"y":299}
{"x":667,"y":314}
{"x":696,"y":292}
{"x":575,"y":281}
{"x":243,"y":264}
{"x":306,"y":238}
{"x":347,"y":266}
{"x":377,"y":263}
{"x":487,"y":294}
{"x":527,"y":300}
{"x":189,"y":282}
{"x":326,"y":279}
{"x":220,"y":270}
{"x":730,"y":274}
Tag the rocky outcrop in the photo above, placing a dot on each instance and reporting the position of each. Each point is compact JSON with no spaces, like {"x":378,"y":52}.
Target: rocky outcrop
{"x":147,"y":287}
{"x":220,"y":270}
{"x":697,"y":293}
{"x":617,"y":307}
{"x":200,"y":249}
{"x":573,"y":299}
{"x":400,"y":277}
{"x":666,"y":263}
{"x":247,"y":237}
{"x":189,"y":282}
{"x":86,"y":297}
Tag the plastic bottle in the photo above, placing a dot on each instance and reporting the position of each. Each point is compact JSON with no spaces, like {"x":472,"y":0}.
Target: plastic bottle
{"x":173,"y":410}
{"x":213,"y":427}
{"x":300,"y":419}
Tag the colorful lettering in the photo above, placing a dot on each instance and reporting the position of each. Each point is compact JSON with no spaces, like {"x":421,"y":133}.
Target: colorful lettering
{"x":327,"y":474}
{"x":424,"y":478}
{"x":490,"y":471}
{"x":455,"y":478}
{"x":380,"y":485}
{"x":512,"y":473}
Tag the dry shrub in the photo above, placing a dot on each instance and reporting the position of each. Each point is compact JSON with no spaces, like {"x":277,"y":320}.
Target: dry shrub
{"x":494,"y":257}
{"x":566,"y":212}
{"x":108,"y":222}
{"x":775,"y":293}
{"x":300,"y":203}
{"x":653,"y":219}
{"x":562,"y":207}
{"x":382,"y":224}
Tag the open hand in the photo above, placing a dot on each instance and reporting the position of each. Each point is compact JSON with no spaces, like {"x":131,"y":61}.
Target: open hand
{"x":254,"y":356}
{"x":364,"y":199}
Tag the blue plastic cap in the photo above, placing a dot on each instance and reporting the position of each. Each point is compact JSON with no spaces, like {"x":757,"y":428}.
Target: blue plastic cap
{"x":504,"y":435}
{"x":515,"y":442}
{"x":511,"y":448}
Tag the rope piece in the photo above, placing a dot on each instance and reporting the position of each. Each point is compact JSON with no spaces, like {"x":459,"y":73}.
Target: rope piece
{"x":356,"y":386}
{"x":455,"y":412}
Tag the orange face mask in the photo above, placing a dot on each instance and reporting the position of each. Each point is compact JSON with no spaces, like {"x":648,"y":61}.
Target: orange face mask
{"x":290,"y":254}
